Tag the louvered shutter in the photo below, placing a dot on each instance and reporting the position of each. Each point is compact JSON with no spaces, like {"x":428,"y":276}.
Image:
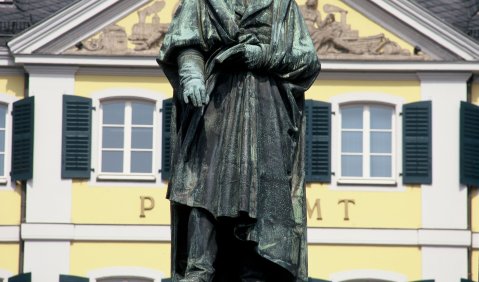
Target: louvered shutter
{"x":318,"y":141}
{"x":22,"y":139}
{"x":166,"y":139}
{"x":76,"y":137}
{"x":417,"y":143}
{"x":26,"y":277}
{"x":71,"y":278}
{"x":469,"y":144}
{"x":466,"y":280}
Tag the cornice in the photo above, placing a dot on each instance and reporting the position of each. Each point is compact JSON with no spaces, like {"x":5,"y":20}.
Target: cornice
{"x":427,"y":24}
{"x":61,"y":25}
{"x":325,"y":236}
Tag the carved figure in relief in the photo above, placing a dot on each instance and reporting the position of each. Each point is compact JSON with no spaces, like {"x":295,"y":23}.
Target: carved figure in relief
{"x":326,"y":35}
{"x":112,"y":40}
{"x":148,"y":35}
{"x":337,"y":40}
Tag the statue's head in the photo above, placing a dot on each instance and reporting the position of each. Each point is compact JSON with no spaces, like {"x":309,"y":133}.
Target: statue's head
{"x":312,"y":3}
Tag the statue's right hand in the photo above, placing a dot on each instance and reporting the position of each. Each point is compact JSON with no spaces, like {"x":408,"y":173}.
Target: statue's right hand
{"x":195,"y":91}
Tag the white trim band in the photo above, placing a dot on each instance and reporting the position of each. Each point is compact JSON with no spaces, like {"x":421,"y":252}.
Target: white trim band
{"x":9,"y":234}
{"x":161,"y":233}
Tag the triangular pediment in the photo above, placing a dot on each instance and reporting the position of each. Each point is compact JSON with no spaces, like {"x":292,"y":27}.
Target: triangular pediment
{"x":340,"y":29}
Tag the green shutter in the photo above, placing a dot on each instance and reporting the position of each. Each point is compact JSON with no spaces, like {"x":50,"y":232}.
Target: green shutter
{"x":166,"y":139}
{"x":466,"y":280}
{"x":76,"y":137}
{"x":71,"y":278}
{"x":469,"y":144}
{"x":417,"y":143}
{"x":26,"y":277}
{"x":318,"y":141}
{"x":22,"y":139}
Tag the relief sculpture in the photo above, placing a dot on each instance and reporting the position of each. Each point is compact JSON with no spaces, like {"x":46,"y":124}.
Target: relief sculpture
{"x":335,"y":39}
{"x":332,"y":35}
{"x":146,"y":35}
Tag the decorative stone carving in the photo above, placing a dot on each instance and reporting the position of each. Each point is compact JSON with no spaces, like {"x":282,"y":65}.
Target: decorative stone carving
{"x":337,"y":40}
{"x":332,"y":36}
{"x":147,"y":35}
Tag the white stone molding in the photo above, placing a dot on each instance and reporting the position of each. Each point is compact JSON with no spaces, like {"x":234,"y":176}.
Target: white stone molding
{"x":5,"y":182}
{"x":323,"y":236}
{"x":123,"y":271}
{"x":48,"y":195}
{"x":367,"y":274}
{"x":68,"y":20}
{"x":432,"y":27}
{"x":46,"y":260}
{"x":9,"y":234}
{"x":444,"y":203}
{"x":5,"y":274}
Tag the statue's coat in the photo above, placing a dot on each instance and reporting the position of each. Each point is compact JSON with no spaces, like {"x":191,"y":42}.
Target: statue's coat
{"x":242,"y":155}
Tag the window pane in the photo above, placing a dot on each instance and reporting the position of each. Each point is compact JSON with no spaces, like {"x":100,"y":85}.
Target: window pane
{"x":113,"y":112}
{"x":141,"y":162}
{"x":112,"y":161}
{"x":381,"y":142}
{"x":352,"y":117}
{"x":2,"y":164}
{"x":352,"y":166}
{"x":3,"y":114}
{"x":381,"y":166}
{"x":352,"y":142}
{"x":142,"y":113}
{"x":113,"y":137}
{"x":2,"y":141}
{"x":381,"y":117}
{"x":142,"y":138}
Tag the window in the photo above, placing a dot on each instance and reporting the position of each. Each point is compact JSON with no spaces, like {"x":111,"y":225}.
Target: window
{"x":127,"y":138}
{"x":367,"y":142}
{"x":124,"y":279}
{"x":3,"y":126}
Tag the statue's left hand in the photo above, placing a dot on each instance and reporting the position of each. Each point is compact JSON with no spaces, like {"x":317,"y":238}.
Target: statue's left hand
{"x":195,"y":91}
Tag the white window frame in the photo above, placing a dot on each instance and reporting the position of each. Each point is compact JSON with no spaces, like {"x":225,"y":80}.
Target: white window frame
{"x":5,"y":275}
{"x":8,"y":100}
{"x":366,"y":184}
{"x":112,"y":272}
{"x":366,"y":150}
{"x":368,"y":274}
{"x":126,"y":179}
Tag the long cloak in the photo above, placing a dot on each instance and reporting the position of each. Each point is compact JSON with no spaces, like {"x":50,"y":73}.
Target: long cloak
{"x":242,"y":155}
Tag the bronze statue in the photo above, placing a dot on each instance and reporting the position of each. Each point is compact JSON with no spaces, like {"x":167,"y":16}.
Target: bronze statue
{"x":239,"y":70}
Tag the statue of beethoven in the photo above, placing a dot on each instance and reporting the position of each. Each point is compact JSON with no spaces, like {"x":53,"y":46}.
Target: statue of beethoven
{"x":239,"y":70}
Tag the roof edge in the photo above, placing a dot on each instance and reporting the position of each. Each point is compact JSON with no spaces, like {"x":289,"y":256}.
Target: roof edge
{"x":430,"y":26}
{"x":37,"y":36}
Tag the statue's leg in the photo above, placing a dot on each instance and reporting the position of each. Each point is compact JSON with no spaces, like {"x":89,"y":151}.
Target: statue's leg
{"x":201,"y":247}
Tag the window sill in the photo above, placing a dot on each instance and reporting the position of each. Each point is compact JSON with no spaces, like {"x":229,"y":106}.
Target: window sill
{"x":125,"y":177}
{"x":367,"y":181}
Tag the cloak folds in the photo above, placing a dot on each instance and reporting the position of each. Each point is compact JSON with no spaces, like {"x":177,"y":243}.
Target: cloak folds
{"x":242,"y":155}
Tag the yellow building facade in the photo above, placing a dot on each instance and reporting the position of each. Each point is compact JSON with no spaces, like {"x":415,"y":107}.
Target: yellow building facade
{"x":368,"y":222}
